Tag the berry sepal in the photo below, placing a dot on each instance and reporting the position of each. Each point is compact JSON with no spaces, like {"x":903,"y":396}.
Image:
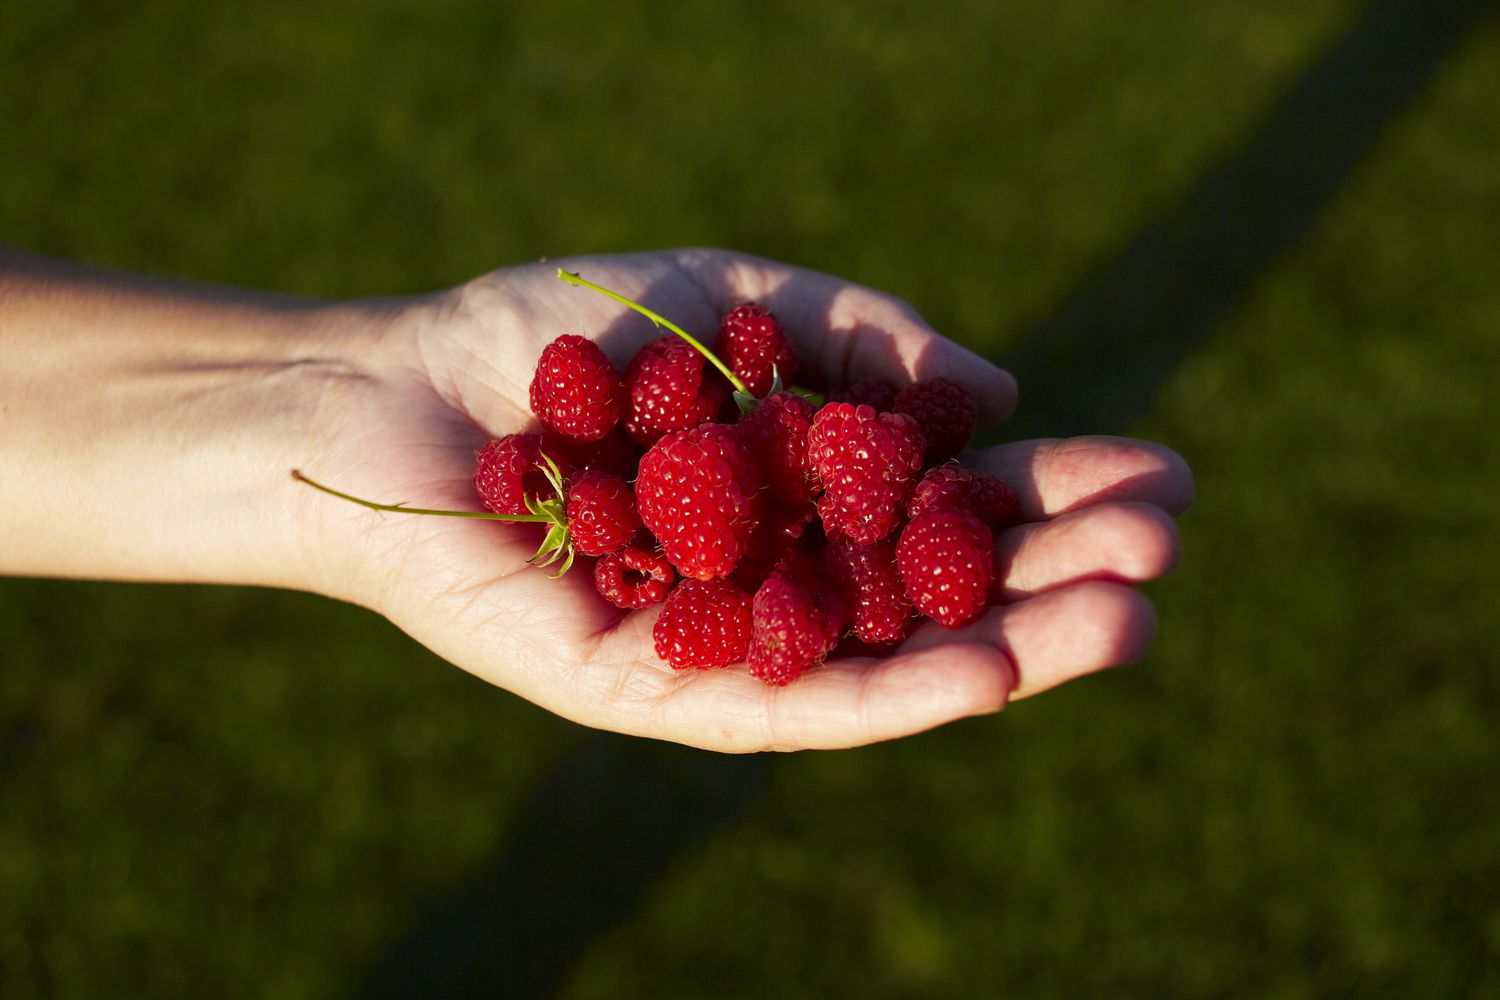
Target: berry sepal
{"x":747,"y":402}
{"x":558,"y":544}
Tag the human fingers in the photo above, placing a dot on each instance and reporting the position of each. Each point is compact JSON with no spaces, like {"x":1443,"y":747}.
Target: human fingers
{"x":843,"y":703}
{"x":1053,"y":475}
{"x":1060,"y":635}
{"x":1128,"y":542}
{"x":844,"y":332}
{"x":935,"y":677}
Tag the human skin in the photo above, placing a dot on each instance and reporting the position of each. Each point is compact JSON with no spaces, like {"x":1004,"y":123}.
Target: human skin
{"x":148,"y":430}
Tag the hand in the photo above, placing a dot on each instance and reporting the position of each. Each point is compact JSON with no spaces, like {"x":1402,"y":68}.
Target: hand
{"x":454,"y":370}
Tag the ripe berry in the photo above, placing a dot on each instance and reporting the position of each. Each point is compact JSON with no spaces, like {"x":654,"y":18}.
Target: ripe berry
{"x":946,"y":557}
{"x":704,"y":624}
{"x":698,"y":491}
{"x":987,"y":496}
{"x":612,"y":453}
{"x":667,"y":389}
{"x":876,"y":392}
{"x":601,"y":512}
{"x":752,"y":343}
{"x":508,"y":469}
{"x":776,"y":431}
{"x":796,"y":618}
{"x":867,"y":462}
{"x":575,"y":390}
{"x":635,"y":577}
{"x":944,"y":410}
{"x":867,"y":579}
{"x":781,"y":531}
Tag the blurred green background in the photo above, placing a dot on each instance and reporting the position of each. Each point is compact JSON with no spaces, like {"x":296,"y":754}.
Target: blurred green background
{"x":1266,"y":234}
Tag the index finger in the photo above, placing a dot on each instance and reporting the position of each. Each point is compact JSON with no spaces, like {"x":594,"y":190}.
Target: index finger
{"x":1053,"y":475}
{"x":844,"y":332}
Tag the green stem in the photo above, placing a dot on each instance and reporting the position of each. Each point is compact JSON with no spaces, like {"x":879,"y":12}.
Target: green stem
{"x":402,"y":509}
{"x":813,"y":396}
{"x":572,"y":278}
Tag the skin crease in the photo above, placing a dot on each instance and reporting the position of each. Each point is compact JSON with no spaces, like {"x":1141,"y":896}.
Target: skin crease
{"x":189,"y":406}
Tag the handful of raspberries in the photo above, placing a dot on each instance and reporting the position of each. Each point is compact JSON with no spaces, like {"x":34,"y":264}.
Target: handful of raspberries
{"x":770,"y":524}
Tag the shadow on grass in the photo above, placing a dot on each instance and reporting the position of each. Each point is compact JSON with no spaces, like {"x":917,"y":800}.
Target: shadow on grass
{"x":615,"y":812}
{"x":1096,"y":363}
{"x":600,"y":827}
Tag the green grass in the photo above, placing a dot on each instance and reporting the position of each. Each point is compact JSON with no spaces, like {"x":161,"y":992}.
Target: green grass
{"x":257,"y":792}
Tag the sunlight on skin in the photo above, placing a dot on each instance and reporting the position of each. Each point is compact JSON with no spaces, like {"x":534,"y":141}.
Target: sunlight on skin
{"x":1126,"y":541}
{"x":454,"y":371}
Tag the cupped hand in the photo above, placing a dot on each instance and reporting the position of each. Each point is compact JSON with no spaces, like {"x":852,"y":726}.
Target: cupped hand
{"x":453,"y":370}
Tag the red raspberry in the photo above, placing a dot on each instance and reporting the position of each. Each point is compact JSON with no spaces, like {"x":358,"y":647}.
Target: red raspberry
{"x":867,"y":462}
{"x":704,"y":624}
{"x":668,"y":390}
{"x":946,"y":557}
{"x":635,"y":577}
{"x":780,"y":532}
{"x":601,"y":512}
{"x":612,"y":453}
{"x":867,"y":579}
{"x":508,"y":469}
{"x":987,"y":496}
{"x":699,"y":492}
{"x":796,"y":619}
{"x":944,"y":410}
{"x":575,"y":390}
{"x":751,"y":342}
{"x":876,"y":392}
{"x":777,"y":432}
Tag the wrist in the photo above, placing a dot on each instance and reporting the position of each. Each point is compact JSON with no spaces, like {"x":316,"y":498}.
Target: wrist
{"x":148,"y":428}
{"x":323,"y":370}
{"x":368,"y":361}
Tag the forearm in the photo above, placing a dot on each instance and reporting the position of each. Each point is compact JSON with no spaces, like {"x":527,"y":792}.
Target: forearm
{"x":147,"y":429}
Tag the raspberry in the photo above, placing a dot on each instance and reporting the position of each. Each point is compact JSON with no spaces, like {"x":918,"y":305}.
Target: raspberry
{"x":780,"y":532}
{"x":575,"y":390}
{"x":876,"y":392}
{"x":507,"y":470}
{"x":668,"y":390}
{"x":946,"y":557}
{"x":870,"y":585}
{"x":704,"y":624}
{"x":796,"y":619}
{"x":752,"y":343}
{"x":612,"y":453}
{"x":776,"y":431}
{"x":699,"y":492}
{"x":987,"y":496}
{"x":867,"y":462}
{"x":944,"y":410}
{"x":601,"y":512}
{"x":635,"y":577}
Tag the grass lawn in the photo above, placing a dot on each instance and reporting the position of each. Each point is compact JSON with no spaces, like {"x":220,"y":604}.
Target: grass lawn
{"x":262,"y":794}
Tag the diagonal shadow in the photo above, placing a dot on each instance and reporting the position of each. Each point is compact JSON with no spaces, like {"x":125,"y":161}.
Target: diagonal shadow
{"x":593,"y":836}
{"x":1096,"y":363}
{"x":614,"y":813}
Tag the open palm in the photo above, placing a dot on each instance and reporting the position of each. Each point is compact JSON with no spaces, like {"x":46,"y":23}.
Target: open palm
{"x":453,"y":370}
